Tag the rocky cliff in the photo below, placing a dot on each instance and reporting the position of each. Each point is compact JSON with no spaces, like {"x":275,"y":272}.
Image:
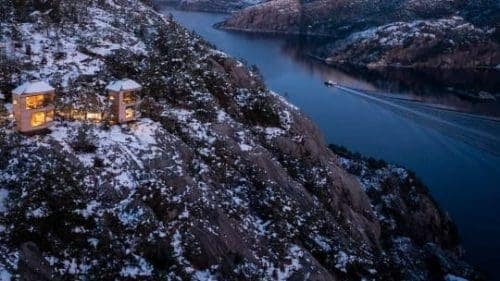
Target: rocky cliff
{"x":472,"y":25}
{"x":220,"y":179}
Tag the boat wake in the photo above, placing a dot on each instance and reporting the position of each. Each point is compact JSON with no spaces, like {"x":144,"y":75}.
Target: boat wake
{"x":480,"y":131}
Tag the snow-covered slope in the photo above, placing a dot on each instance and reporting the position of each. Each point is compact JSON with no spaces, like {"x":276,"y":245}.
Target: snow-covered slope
{"x":444,"y":43}
{"x":220,"y":179}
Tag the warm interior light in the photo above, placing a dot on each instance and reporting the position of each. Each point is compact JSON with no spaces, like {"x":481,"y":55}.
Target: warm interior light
{"x":78,"y":115}
{"x":129,"y":97}
{"x":34,"y":102}
{"x":94,"y":116}
{"x":37,"y":119}
{"x":129,"y":113}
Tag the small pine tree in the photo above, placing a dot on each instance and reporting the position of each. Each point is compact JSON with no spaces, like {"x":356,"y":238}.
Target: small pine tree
{"x":84,"y":140}
{"x":28,"y":50}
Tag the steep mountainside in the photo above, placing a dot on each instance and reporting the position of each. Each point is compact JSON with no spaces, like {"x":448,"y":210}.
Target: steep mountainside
{"x":340,"y":18}
{"x":220,"y":179}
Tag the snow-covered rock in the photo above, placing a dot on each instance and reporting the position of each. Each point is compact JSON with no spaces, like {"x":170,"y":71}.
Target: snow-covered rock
{"x":443,"y":43}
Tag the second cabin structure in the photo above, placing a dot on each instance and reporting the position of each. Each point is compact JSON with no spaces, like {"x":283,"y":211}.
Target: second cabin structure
{"x":124,"y":98}
{"x":33,"y":106}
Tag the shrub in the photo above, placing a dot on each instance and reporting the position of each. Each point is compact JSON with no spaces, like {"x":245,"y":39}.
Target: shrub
{"x":84,"y":140}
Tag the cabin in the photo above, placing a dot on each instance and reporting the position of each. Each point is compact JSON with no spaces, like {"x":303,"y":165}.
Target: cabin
{"x":33,"y":106}
{"x":124,"y":98}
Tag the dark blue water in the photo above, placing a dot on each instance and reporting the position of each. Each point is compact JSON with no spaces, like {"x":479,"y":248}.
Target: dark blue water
{"x":462,"y":177}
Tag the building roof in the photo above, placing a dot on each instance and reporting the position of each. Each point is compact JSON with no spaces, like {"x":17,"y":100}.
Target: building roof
{"x":123,"y":85}
{"x":33,"y":87}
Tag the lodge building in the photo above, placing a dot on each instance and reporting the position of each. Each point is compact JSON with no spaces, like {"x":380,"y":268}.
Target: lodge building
{"x":124,"y":100}
{"x":33,"y":106}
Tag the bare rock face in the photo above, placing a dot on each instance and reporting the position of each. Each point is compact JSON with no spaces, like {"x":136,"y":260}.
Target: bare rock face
{"x":32,"y":265}
{"x":404,"y":208}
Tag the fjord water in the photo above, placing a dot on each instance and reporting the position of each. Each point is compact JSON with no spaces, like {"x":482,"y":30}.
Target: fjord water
{"x":462,"y":175}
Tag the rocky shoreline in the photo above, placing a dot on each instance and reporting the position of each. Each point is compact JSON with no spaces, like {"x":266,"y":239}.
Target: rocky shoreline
{"x":412,"y":210}
{"x":270,"y":32}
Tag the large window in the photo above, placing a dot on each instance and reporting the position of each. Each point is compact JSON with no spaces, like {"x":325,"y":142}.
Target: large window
{"x":94,"y":116}
{"x":38,"y":101}
{"x":129,"y":113}
{"x":37,"y":119}
{"x":129,"y":97}
{"x":78,"y":114}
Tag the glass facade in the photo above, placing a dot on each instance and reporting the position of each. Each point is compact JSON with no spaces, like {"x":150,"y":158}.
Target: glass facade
{"x":129,"y":97}
{"x":37,"y":119}
{"x":129,"y":113}
{"x":94,"y":116}
{"x":38,"y":101}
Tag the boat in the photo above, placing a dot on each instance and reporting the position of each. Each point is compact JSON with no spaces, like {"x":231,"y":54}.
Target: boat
{"x":330,"y":83}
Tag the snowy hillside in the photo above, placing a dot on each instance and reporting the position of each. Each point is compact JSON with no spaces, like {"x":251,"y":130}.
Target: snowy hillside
{"x":220,"y":179}
{"x":444,"y":43}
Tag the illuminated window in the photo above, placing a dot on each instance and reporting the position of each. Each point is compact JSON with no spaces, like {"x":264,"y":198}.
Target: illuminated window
{"x":37,"y":119}
{"x":129,"y":113}
{"x":14,"y":102}
{"x":34,"y":102}
{"x":111,"y":97}
{"x":94,"y":116}
{"x":78,"y":115}
{"x":129,"y":97}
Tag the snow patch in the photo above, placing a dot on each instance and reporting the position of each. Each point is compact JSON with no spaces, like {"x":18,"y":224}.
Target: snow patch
{"x":5,"y":275}
{"x":4,"y":194}
{"x":450,"y":277}
{"x":342,"y":259}
{"x":142,"y":268}
{"x":33,"y":87}
{"x":322,"y":242}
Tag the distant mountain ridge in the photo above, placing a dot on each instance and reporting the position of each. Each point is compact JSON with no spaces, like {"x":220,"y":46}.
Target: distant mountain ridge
{"x":339,"y":19}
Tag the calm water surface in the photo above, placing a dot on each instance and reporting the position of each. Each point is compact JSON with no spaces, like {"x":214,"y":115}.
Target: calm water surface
{"x":462,"y":174}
